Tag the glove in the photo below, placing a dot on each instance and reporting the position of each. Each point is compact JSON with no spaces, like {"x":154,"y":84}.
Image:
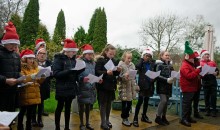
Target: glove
{"x":43,"y":75}
{"x":170,"y":80}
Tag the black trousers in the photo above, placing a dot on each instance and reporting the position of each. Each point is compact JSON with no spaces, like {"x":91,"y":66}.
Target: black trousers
{"x":84,"y":108}
{"x":60,"y":105}
{"x":28,"y":110}
{"x":188,"y":97}
{"x":196,"y":102}
{"x":126,"y":107}
{"x":8,"y":100}
{"x":39,"y":112}
{"x":141,"y":99}
{"x":210,"y":93}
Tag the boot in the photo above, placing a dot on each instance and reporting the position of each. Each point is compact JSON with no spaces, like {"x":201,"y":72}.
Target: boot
{"x":159,"y":121}
{"x":57,"y":127}
{"x":185,"y":123}
{"x":197,"y":115}
{"x":82,"y":127}
{"x":40,"y":123}
{"x":135,"y":122}
{"x":89,"y":127}
{"x":125,"y":122}
{"x":34,"y":122}
{"x":164,"y":119}
{"x":144,"y":118}
{"x":20,"y":127}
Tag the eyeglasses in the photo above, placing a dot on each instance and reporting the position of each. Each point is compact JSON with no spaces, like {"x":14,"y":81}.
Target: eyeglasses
{"x":42,"y":53}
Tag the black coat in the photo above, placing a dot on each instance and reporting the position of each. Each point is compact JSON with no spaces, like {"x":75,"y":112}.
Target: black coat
{"x":109,"y":81}
{"x":45,"y":86}
{"x":10,"y":67}
{"x":66,"y":79}
{"x":162,"y":86}
{"x":145,"y":83}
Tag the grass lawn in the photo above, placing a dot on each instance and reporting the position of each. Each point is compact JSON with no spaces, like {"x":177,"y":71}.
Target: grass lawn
{"x":51,"y":103}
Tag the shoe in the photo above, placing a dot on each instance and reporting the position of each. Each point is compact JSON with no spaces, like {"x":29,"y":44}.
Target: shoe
{"x":135,"y":122}
{"x":144,"y":118}
{"x":214,"y":114}
{"x":40,"y":123}
{"x":164,"y":119}
{"x":125,"y":122}
{"x":45,"y":114}
{"x":28,"y":125}
{"x":186,"y":123}
{"x":82,"y":127}
{"x":109,"y":124}
{"x":198,"y":116}
{"x":159,"y":121}
{"x":89,"y":127}
{"x":105,"y":127}
{"x":34,"y":123}
{"x":66,"y":128}
{"x":191,"y":120}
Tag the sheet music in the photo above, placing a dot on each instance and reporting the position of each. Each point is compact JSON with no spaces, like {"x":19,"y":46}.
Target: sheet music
{"x":94,"y":79}
{"x":175,"y":74}
{"x":132,"y":74}
{"x":80,"y":64}
{"x":152,"y":74}
{"x":7,"y":117}
{"x":110,"y":66}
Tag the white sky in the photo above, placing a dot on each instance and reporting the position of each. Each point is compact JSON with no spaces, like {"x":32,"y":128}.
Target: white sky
{"x":124,"y":17}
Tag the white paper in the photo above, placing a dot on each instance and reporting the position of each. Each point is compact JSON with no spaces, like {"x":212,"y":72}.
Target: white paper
{"x":132,"y":74}
{"x":110,"y":66}
{"x":152,"y":74}
{"x":212,"y":70}
{"x":21,"y":78}
{"x":94,"y":79}
{"x":42,"y":71}
{"x":7,"y":117}
{"x":207,"y":70}
{"x":80,"y":64}
{"x":175,"y":74}
{"x":25,"y":84}
{"x":48,"y":72}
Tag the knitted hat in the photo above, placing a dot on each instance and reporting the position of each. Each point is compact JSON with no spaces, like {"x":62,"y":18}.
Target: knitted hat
{"x":27,"y":53}
{"x":70,"y":45}
{"x":39,"y":42}
{"x":87,"y":49}
{"x":10,"y":35}
{"x":189,"y":54}
{"x":203,"y":52}
{"x":147,"y":51}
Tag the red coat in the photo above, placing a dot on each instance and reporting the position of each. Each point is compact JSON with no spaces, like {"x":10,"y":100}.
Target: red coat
{"x":189,"y":81}
{"x":209,"y":63}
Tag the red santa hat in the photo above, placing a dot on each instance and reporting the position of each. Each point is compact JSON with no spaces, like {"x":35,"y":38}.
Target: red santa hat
{"x":39,"y":42}
{"x":87,"y":49}
{"x":70,"y":45}
{"x":10,"y":35}
{"x":197,"y":55}
{"x":147,"y":51}
{"x":203,"y":52}
{"x":27,"y":53}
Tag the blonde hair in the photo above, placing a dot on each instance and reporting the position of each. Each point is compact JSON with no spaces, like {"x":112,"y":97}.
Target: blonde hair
{"x":124,"y":55}
{"x":107,"y":48}
{"x":162,"y":53}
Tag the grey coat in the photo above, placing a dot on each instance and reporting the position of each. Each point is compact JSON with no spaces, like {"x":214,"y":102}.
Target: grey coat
{"x":126,"y":88}
{"x":87,"y":91}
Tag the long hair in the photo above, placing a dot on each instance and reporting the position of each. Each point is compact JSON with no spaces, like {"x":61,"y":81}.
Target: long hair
{"x":107,"y":48}
{"x":25,"y":65}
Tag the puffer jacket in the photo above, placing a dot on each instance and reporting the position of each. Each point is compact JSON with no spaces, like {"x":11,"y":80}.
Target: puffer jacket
{"x":109,"y":81}
{"x":209,"y":79}
{"x":126,"y":88}
{"x":66,"y":79}
{"x":87,"y":91}
{"x":162,"y":87}
{"x":144,"y":82}
{"x":29,"y":94}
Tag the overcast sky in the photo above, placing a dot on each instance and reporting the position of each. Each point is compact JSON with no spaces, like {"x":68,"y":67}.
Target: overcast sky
{"x":124,"y":17}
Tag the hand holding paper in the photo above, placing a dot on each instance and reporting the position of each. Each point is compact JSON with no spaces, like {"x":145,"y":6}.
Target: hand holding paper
{"x":94,"y":79}
{"x":152,"y":74}
{"x":7,"y":117}
{"x":175,"y":74}
{"x":207,"y":70}
{"x":132,"y":74}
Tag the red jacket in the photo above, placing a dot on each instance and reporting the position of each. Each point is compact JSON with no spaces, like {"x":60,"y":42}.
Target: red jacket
{"x":189,"y":81}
